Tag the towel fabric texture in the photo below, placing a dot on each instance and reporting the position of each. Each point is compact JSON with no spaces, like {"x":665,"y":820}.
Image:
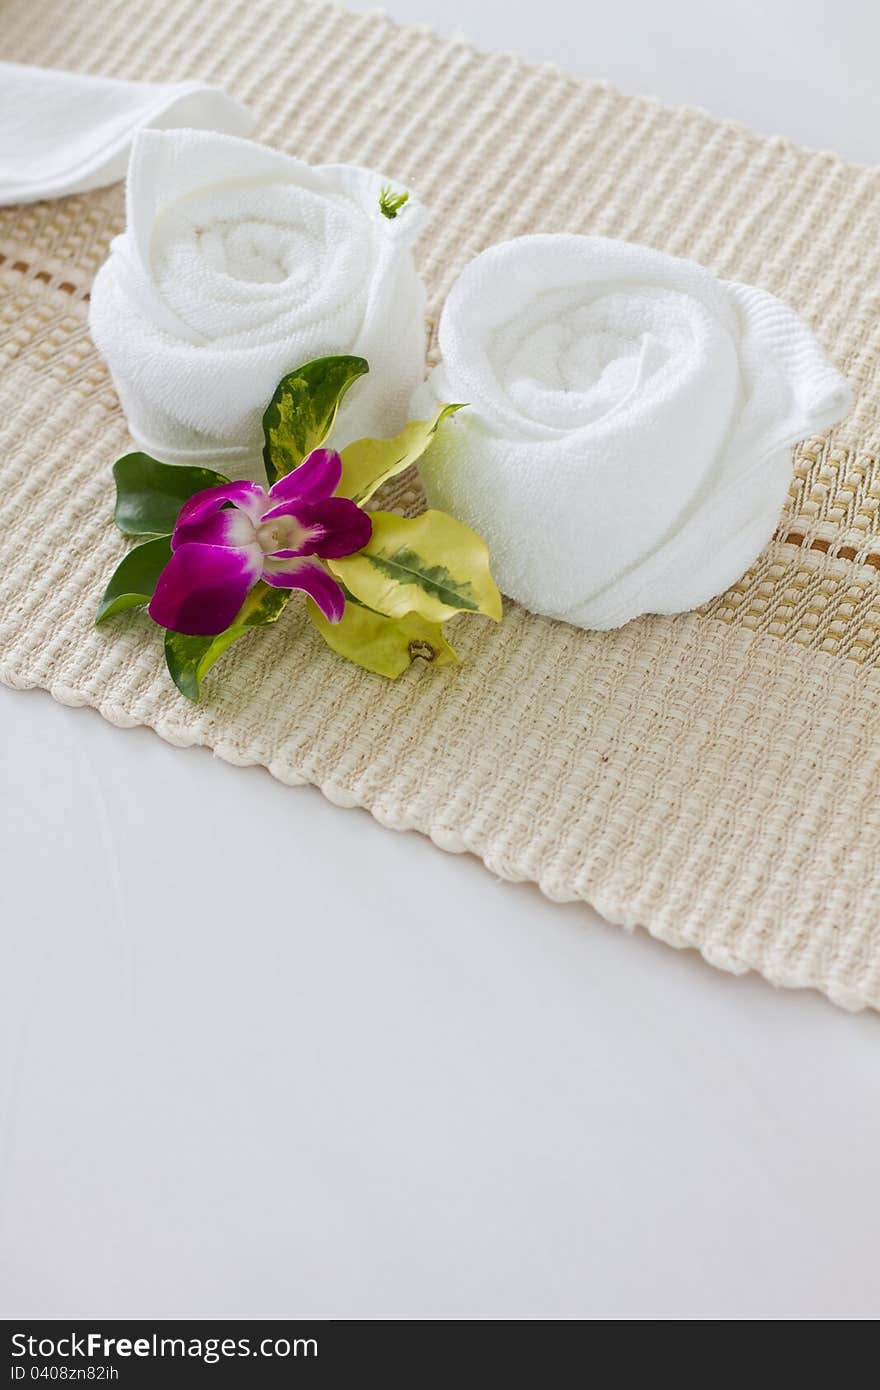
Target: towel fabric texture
{"x":627,"y":446}
{"x":66,"y":132}
{"x":239,"y":264}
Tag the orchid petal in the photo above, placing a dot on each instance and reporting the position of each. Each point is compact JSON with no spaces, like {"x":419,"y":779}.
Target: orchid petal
{"x":311,"y":576}
{"x":316,"y":478}
{"x":296,"y":507}
{"x":334,"y":527}
{"x":229,"y":526}
{"x":250,"y":497}
{"x":202,"y":588}
{"x":346,"y":527}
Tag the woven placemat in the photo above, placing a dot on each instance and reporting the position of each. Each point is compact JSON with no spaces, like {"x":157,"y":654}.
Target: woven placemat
{"x":715,"y":777}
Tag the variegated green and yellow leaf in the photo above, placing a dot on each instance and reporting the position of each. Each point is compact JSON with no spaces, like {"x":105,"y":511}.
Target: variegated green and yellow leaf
{"x":189,"y":659}
{"x":385,"y":646}
{"x":430,"y":564}
{"x":368,"y":463}
{"x":302,"y":411}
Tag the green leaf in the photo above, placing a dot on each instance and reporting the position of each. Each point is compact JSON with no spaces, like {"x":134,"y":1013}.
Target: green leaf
{"x":302,"y":412}
{"x":189,"y":659}
{"x":385,"y":646}
{"x":368,"y":463}
{"x":134,"y":579}
{"x":390,"y":203}
{"x":149,"y":494}
{"x":430,"y":564}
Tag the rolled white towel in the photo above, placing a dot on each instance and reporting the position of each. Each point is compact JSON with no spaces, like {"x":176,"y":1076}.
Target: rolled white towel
{"x":67,"y":132}
{"x":627,"y":446}
{"x":238,"y":264}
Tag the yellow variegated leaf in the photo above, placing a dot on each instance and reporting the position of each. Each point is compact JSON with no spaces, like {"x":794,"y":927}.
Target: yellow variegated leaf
{"x":368,"y":463}
{"x":302,"y":411}
{"x":385,"y":646}
{"x":429,"y":564}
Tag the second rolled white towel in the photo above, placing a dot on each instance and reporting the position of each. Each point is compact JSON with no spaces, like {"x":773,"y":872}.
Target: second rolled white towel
{"x":239,"y":264}
{"x":627,"y":443}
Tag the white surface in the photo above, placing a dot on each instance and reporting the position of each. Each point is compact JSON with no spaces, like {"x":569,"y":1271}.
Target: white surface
{"x":806,"y":69}
{"x":262,"y":1057}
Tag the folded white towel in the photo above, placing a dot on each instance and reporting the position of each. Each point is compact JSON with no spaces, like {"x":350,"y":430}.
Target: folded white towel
{"x":627,"y":446}
{"x":66,"y":132}
{"x":239,"y":264}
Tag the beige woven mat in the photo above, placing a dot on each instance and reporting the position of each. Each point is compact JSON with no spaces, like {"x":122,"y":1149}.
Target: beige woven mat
{"x":715,"y":777}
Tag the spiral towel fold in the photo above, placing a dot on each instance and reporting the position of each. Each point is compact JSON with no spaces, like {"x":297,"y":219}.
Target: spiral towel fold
{"x":238,"y":264}
{"x":66,"y":132}
{"x":627,"y":447}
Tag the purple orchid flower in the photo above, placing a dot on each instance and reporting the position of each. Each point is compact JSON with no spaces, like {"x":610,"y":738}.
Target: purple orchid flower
{"x":228,"y":537}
